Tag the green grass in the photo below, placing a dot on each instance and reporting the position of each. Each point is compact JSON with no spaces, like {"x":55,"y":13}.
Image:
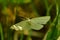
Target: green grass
{"x":1,"y":32}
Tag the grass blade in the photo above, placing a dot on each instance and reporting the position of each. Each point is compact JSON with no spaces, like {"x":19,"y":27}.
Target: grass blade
{"x":1,"y":31}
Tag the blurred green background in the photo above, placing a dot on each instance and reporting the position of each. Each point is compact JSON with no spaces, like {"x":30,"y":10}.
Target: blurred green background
{"x":14,"y":11}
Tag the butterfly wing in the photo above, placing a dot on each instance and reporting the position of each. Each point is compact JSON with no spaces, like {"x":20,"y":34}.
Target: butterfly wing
{"x":41,"y":20}
{"x":24,"y":24}
{"x":36,"y":26}
{"x":37,"y":23}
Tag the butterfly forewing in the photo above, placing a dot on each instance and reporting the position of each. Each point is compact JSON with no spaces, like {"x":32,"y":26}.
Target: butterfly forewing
{"x":41,"y":20}
{"x":24,"y":24}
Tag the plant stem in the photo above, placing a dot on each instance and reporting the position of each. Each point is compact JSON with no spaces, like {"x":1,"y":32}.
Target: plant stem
{"x":29,"y":36}
{"x":48,"y":10}
{"x":46,"y":3}
{"x":34,"y":8}
{"x":1,"y":31}
{"x":21,"y":38}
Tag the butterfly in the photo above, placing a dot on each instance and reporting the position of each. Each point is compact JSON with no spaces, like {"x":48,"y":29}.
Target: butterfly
{"x":34,"y":23}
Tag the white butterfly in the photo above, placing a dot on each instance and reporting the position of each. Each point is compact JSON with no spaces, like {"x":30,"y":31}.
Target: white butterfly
{"x":34,"y":23}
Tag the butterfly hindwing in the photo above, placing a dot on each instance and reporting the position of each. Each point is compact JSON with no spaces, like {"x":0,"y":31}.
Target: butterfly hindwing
{"x":36,"y":26}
